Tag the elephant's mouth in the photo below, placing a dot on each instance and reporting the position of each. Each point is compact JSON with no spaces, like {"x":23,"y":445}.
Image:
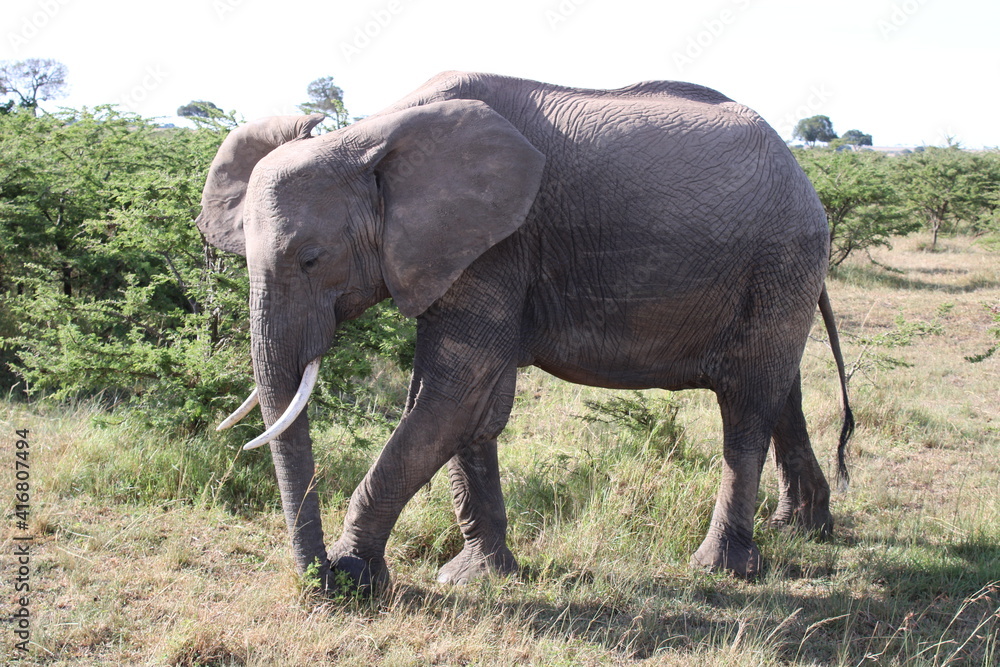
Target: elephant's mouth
{"x":295,"y":407}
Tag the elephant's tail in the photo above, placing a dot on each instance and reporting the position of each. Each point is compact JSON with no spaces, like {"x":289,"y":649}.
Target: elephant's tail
{"x":848,"y":428}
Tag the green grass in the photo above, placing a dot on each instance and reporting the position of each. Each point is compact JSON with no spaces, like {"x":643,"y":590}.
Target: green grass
{"x":153,"y":550}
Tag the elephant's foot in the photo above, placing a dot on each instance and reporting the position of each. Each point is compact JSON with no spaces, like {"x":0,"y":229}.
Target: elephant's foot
{"x":811,"y":517}
{"x":475,"y":563}
{"x":718,"y":552}
{"x":352,"y":574}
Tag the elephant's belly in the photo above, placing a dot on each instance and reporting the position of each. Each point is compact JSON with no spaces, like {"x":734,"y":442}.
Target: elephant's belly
{"x":630,"y":346}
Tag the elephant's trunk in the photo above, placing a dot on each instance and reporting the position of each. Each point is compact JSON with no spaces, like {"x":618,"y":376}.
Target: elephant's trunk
{"x":295,"y":470}
{"x":283,"y":394}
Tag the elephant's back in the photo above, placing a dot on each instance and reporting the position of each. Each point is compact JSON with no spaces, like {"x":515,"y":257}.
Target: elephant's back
{"x":526,"y":104}
{"x":494,"y":89}
{"x":668,"y":161}
{"x":656,"y":127}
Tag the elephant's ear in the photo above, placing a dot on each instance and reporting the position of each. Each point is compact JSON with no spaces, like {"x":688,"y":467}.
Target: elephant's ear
{"x":456,"y":178}
{"x":221,"y":219}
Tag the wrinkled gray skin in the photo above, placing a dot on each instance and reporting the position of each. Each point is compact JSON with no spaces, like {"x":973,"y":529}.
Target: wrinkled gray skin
{"x":660,"y":235}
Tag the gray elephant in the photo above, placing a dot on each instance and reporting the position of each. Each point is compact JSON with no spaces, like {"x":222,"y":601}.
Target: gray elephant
{"x":660,"y":235}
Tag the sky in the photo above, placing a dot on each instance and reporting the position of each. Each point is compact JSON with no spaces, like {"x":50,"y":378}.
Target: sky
{"x":908,"y":72}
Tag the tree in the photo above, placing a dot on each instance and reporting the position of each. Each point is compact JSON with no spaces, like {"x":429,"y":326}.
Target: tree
{"x":33,"y":80}
{"x":861,"y":202}
{"x":199,"y":109}
{"x":857,"y":138}
{"x":816,"y":128}
{"x":105,"y":281}
{"x":988,"y":221}
{"x":327,"y":98}
{"x":946,"y":187}
{"x":107,"y":287}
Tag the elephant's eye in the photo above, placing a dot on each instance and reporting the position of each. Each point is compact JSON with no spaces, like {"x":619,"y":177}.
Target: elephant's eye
{"x":310,"y":260}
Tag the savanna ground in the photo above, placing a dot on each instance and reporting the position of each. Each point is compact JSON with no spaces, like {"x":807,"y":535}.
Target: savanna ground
{"x":139,"y":559}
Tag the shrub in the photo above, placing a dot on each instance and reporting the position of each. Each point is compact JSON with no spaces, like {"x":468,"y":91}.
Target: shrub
{"x":950,"y":189}
{"x":862,"y":206}
{"x":112,"y":290}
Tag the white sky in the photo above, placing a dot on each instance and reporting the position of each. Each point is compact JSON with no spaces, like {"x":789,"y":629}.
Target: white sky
{"x":908,"y":72}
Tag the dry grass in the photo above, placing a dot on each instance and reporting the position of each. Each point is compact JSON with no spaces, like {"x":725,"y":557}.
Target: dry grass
{"x":601,"y":518}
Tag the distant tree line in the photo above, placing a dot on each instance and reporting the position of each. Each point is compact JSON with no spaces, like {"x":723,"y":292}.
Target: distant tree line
{"x":820,"y":128}
{"x":870,"y":197}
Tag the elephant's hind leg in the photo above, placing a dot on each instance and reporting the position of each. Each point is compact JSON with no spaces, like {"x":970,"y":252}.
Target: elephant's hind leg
{"x":804,"y":496}
{"x":729,"y":543}
{"x":479,"y":508}
{"x":749,"y":412}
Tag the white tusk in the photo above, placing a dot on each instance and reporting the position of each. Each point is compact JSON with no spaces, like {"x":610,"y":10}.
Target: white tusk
{"x":309,"y":377}
{"x":241,"y":411}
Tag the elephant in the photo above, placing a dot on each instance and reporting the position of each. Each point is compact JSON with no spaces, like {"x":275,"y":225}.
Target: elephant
{"x":659,"y":235}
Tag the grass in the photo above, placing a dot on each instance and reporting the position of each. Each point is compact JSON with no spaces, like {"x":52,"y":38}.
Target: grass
{"x":153,"y":551}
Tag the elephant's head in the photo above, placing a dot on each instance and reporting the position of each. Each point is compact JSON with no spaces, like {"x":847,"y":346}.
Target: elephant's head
{"x":399,"y":205}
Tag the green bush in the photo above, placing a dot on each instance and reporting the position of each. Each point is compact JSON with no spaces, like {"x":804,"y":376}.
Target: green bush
{"x":109,"y":287}
{"x":950,"y":189}
{"x":862,"y":206}
{"x":649,"y":421}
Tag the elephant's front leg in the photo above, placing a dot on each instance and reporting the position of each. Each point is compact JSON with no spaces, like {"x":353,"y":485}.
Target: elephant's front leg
{"x":296,"y":474}
{"x":479,"y":507}
{"x":421,"y":444}
{"x":447,"y":420}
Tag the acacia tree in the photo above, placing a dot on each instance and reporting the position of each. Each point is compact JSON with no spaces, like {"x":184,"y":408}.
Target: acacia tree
{"x":327,"y":98}
{"x":856,"y":137}
{"x":32,"y":80}
{"x":107,"y":286}
{"x":946,"y":187}
{"x":988,"y":221}
{"x":199,"y":109}
{"x":813,"y":129}
{"x":862,"y":205}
